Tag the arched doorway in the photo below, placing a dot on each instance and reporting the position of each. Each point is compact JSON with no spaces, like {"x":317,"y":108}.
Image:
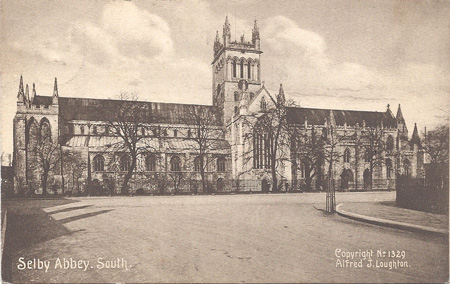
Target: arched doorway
{"x":264,"y":186}
{"x":366,"y":177}
{"x":346,"y":178}
{"x":220,"y":184}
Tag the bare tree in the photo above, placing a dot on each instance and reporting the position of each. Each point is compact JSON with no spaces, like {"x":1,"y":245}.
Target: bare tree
{"x":307,"y":151}
{"x":372,"y":139}
{"x":131,"y":124}
{"x":75,"y":165}
{"x":47,"y":157}
{"x":201,"y":121}
{"x":436,"y":144}
{"x":272,"y":128}
{"x":177,"y":178}
{"x":331,"y":155}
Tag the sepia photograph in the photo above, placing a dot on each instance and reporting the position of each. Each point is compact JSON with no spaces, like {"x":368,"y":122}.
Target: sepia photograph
{"x":229,"y":141}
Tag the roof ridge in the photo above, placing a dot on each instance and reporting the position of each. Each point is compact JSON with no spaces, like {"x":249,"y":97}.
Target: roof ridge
{"x":118,"y":100}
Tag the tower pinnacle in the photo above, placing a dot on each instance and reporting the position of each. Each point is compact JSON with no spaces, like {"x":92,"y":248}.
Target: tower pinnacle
{"x":27,"y":95}
{"x":33,"y":95}
{"x":55,"y":93}
{"x":399,"y":116}
{"x":20,"y":94}
{"x":217,"y":44}
{"x":281,"y":99}
{"x":255,"y":32}
{"x":226,"y":31}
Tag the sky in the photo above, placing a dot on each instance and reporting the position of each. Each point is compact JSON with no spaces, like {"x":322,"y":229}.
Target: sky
{"x":360,"y":55}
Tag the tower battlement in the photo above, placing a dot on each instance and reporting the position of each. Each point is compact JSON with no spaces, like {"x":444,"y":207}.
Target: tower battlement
{"x":241,"y":45}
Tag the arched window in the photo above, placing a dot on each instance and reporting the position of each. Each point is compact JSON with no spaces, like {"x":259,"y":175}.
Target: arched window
{"x":33,"y":132}
{"x":249,"y":72}
{"x":150,"y":163}
{"x":242,"y":69}
{"x":189,"y":133}
{"x":262,"y":145}
{"x":99,"y":163}
{"x":390,"y":143}
{"x":347,"y":156}
{"x":388,"y":168}
{"x":367,"y":156}
{"x":234,"y":68}
{"x":175,"y":164}
{"x":263,"y":104}
{"x":143,"y":131}
{"x":94,"y":129}
{"x":46,"y":132}
{"x":175,"y":133}
{"x":236,"y":110}
{"x":252,"y":95}
{"x":197,"y":164}
{"x":124,"y":163}
{"x":82,"y":129}
{"x":236,"y":96}
{"x":164,"y":132}
{"x":407,"y":167}
{"x":303,"y":169}
{"x":221,"y":164}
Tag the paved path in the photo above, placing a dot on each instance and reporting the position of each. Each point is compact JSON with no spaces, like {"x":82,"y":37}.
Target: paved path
{"x":390,"y":212}
{"x":241,"y":238}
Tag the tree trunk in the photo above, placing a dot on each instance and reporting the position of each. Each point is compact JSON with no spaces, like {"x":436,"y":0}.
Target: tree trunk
{"x":44,"y":182}
{"x":124,"y":189}
{"x":202,"y":174}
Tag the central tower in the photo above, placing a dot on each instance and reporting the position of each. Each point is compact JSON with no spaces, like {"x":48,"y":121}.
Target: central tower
{"x":235,"y":68}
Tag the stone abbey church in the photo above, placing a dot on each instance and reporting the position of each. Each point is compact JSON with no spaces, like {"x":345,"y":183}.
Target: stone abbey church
{"x":70,"y":141}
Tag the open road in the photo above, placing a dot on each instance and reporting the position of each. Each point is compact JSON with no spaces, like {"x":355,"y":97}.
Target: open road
{"x":232,"y":238}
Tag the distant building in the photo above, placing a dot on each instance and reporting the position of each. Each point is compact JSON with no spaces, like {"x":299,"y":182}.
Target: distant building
{"x":238,"y":161}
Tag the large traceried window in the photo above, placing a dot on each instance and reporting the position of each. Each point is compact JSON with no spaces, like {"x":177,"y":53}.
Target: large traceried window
{"x":175,"y":164}
{"x":262,"y":147}
{"x":99,"y":163}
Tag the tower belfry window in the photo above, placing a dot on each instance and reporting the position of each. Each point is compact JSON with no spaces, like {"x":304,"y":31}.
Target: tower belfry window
{"x":234,"y":69}
{"x":249,"y":73}
{"x":242,"y":69}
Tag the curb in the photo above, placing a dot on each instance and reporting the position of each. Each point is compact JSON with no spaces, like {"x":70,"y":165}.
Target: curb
{"x":389,"y":223}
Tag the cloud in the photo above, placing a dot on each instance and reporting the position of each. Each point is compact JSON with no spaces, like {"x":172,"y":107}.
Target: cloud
{"x":300,"y":61}
{"x":137,"y":30}
{"x":283,"y":34}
